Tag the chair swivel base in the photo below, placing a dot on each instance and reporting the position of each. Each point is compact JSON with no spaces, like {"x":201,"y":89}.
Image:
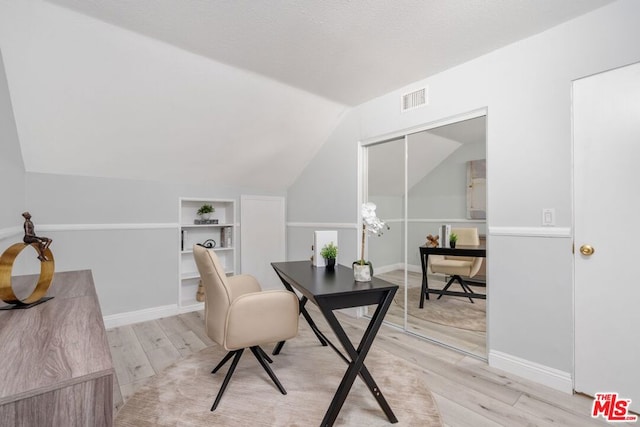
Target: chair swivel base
{"x":236,"y":354}
{"x":465,"y":287}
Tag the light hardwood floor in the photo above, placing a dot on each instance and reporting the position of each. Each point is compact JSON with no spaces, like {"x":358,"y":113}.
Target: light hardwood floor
{"x":468,"y":392}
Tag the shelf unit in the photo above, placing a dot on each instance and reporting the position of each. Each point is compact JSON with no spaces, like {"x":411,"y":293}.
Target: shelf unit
{"x":223,"y":233}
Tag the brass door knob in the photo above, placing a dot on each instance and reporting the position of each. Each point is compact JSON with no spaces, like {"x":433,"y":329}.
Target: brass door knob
{"x":587,"y":250}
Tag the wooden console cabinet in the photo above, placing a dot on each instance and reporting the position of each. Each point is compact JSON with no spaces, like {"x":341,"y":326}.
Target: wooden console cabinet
{"x":55,"y":363}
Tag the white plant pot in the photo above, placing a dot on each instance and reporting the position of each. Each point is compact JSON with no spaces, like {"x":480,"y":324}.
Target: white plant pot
{"x":361,"y":273}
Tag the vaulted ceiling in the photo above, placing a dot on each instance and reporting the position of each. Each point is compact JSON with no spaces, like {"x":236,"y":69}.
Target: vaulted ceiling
{"x":240,"y":92}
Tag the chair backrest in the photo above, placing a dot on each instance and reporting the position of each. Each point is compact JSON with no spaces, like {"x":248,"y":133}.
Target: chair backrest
{"x":468,"y":237}
{"x":216,"y":292}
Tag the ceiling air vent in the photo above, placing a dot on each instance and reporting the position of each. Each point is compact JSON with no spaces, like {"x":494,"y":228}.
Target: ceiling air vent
{"x":415,"y":99}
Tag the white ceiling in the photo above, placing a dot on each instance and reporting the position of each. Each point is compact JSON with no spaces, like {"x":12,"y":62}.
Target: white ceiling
{"x":347,"y":51}
{"x":241,"y":92}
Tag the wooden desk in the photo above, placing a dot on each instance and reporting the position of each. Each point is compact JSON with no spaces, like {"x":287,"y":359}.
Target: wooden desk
{"x":470,"y":251}
{"x":333,"y":290}
{"x":55,"y":363}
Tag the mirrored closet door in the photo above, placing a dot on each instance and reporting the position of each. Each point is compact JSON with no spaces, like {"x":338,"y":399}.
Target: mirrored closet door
{"x":419,"y":182}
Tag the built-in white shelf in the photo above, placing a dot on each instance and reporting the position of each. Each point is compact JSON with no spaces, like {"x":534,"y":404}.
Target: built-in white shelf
{"x":223,"y":234}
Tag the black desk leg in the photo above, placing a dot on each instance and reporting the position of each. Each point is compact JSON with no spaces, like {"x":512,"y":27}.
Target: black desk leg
{"x":357,"y":367}
{"x":307,"y":316}
{"x":425,"y":285}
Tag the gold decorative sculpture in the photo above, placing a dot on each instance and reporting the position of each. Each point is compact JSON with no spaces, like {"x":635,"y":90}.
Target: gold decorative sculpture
{"x":47,"y":266}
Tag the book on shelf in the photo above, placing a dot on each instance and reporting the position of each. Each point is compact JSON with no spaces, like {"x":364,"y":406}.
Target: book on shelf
{"x":226,"y":234}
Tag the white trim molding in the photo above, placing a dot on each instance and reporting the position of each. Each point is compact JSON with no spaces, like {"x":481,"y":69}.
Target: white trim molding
{"x":104,"y":227}
{"x":323,"y":225}
{"x":551,"y":377}
{"x":10,"y":232}
{"x":153,"y":313}
{"x":448,"y":220}
{"x":558,"y":232}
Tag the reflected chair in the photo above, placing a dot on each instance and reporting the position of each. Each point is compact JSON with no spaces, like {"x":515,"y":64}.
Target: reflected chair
{"x":239,"y":315}
{"x":457,"y":266}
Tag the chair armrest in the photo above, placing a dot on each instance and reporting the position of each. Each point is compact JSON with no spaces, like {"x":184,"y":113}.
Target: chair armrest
{"x":260,"y":318}
{"x":475,"y":266}
{"x":242,"y":284}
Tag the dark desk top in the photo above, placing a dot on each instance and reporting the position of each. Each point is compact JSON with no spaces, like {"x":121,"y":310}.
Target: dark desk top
{"x":459,"y":250}
{"x":316,"y":283}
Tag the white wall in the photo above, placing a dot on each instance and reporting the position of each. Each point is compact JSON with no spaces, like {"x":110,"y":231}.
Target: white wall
{"x":125,"y":231}
{"x":526,"y":88}
{"x":324,"y":196}
{"x":12,"y":175}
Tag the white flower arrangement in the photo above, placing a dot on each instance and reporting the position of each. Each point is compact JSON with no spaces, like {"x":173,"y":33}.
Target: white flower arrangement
{"x":370,"y":224}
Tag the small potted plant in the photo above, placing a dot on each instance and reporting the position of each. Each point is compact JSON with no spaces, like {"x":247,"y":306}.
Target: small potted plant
{"x":205,"y":211}
{"x":453,"y":238}
{"x":329,"y":252}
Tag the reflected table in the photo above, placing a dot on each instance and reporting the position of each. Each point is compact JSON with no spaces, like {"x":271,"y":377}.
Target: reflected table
{"x":468,"y":251}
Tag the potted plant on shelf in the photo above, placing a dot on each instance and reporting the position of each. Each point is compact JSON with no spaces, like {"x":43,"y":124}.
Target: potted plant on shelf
{"x":329,"y":252}
{"x":453,"y":238}
{"x":363,"y":270}
{"x":205,"y":211}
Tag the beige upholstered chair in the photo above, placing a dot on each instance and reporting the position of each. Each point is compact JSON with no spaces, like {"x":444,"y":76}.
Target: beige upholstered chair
{"x":239,"y":315}
{"x":456,"y":266}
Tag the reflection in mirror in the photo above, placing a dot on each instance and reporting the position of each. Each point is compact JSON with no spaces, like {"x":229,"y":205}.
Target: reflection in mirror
{"x":438,"y":181}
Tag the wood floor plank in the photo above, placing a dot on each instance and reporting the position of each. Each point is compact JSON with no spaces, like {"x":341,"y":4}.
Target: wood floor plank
{"x":173,"y":325}
{"x":187,"y":343}
{"x":553,"y":413}
{"x":577,"y":404}
{"x":151,"y":335}
{"x":162,"y":357}
{"x":195,"y":321}
{"x":129,"y":359}
{"x":454,"y":414}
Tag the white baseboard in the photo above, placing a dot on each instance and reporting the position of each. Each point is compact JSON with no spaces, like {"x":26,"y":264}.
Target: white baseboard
{"x":121,"y":319}
{"x":551,"y":377}
{"x":397,"y":266}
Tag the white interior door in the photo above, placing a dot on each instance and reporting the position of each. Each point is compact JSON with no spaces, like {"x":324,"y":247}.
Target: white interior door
{"x":607,"y":208}
{"x":262,"y":237}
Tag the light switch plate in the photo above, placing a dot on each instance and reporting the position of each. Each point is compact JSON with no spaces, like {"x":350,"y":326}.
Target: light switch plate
{"x":548,"y":216}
